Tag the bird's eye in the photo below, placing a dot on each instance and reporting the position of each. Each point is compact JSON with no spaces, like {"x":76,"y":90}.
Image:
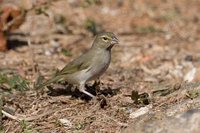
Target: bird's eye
{"x":105,"y":38}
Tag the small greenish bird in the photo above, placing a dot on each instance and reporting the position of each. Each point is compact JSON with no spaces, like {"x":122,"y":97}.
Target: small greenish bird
{"x":90,"y":65}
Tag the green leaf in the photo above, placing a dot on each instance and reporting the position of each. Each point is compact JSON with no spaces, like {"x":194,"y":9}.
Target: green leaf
{"x":15,"y":82}
{"x":140,"y":98}
{"x":80,"y":126}
{"x":88,"y":3}
{"x":26,"y":127}
{"x":192,"y":94}
{"x":134,"y":95}
{"x":41,"y":10}
{"x":12,"y":82}
{"x":147,"y":29}
{"x":92,"y":26}
{"x":66,"y":52}
{"x":39,"y":81}
{"x":3,"y":78}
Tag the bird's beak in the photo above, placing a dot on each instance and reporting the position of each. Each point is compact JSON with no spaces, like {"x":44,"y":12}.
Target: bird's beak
{"x":114,"y":41}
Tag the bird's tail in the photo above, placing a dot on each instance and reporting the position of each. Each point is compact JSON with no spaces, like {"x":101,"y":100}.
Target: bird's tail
{"x":48,"y":82}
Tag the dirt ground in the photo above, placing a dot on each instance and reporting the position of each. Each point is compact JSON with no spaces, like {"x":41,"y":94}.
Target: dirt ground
{"x":154,"y":71}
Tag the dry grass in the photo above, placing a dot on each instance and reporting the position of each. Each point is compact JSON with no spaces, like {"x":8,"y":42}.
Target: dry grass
{"x":158,"y":47}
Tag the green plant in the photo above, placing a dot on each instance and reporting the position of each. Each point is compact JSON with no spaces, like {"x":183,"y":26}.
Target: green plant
{"x":147,"y":29}
{"x":80,"y":126}
{"x":143,"y":98}
{"x":26,"y":127}
{"x":66,"y":52}
{"x":92,"y":26}
{"x":192,"y":94}
{"x":88,"y":3}
{"x":41,"y":10}
{"x":13,"y":82}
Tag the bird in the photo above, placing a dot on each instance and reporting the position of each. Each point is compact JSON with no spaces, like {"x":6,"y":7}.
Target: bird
{"x":88,"y":66}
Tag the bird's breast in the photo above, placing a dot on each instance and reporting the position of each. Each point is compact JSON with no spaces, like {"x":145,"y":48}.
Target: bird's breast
{"x":100,"y":64}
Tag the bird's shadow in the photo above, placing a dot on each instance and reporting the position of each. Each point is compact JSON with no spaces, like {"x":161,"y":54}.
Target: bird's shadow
{"x":13,"y":42}
{"x":94,"y":89}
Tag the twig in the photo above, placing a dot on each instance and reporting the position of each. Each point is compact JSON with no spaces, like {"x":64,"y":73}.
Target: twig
{"x":10,"y":116}
{"x":9,"y":24}
{"x":31,"y":118}
{"x":1,"y":115}
{"x":33,"y":62}
{"x":32,"y":56}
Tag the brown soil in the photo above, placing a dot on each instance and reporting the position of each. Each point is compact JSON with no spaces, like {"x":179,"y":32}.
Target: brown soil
{"x":159,"y":45}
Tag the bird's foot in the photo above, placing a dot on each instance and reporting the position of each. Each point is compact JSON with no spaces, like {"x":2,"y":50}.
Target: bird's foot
{"x":87,"y":93}
{"x":97,"y":82}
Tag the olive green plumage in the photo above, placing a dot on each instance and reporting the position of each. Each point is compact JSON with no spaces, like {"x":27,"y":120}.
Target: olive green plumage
{"x":88,"y":66}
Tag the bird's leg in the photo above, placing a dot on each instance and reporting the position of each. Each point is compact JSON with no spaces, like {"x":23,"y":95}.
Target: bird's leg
{"x":97,"y":82}
{"x":96,"y":85}
{"x":82,"y":89}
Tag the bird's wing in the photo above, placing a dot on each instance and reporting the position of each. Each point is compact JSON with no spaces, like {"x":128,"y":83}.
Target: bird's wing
{"x":78,"y":64}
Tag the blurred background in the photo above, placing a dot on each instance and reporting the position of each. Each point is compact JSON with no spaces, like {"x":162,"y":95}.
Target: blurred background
{"x":158,"y":54}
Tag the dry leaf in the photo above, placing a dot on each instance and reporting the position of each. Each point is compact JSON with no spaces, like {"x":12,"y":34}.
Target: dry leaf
{"x":3,"y":46}
{"x":11,"y":17}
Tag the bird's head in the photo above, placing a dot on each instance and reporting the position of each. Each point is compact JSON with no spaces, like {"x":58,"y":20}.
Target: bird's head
{"x":105,"y":40}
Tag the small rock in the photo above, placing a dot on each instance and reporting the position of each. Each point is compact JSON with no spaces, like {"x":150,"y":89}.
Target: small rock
{"x":48,"y":53}
{"x":187,"y":122}
{"x":65,"y":122}
{"x":140,"y":111}
{"x":190,"y":75}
